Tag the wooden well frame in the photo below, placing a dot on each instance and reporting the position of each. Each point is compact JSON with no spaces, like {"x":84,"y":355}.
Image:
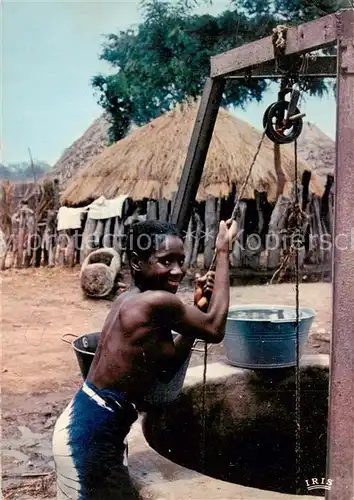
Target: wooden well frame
{"x":257,"y":60}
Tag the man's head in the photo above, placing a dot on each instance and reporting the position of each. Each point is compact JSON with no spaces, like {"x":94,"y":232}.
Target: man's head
{"x":156,"y":255}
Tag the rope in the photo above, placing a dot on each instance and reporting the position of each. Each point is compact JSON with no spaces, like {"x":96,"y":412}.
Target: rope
{"x":297,"y":381}
{"x":279,"y":43}
{"x":204,"y":407}
{"x":239,"y":197}
{"x":211,"y":267}
{"x":279,"y":38}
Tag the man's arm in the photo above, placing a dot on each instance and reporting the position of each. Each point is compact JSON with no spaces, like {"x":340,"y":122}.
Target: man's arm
{"x":183,"y":344}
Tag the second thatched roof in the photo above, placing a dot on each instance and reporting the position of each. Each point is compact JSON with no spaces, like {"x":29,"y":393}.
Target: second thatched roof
{"x":88,"y":146}
{"x":148,"y":163}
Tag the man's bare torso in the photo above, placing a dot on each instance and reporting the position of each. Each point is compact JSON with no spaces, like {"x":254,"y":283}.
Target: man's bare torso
{"x":133,"y":349}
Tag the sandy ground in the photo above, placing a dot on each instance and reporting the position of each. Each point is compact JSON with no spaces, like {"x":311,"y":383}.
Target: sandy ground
{"x":40,"y":372}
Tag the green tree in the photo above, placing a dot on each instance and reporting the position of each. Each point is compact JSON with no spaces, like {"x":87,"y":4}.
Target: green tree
{"x":167,"y":58}
{"x":292,"y":11}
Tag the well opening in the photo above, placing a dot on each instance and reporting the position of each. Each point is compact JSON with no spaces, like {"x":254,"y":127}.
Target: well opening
{"x":250,"y":429}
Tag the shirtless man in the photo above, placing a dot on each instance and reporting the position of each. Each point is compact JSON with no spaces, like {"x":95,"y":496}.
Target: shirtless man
{"x":136,"y":349}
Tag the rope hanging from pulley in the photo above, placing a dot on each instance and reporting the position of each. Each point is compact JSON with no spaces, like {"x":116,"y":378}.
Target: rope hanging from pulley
{"x":282,"y":124}
{"x":297,"y":325}
{"x":204,"y":300}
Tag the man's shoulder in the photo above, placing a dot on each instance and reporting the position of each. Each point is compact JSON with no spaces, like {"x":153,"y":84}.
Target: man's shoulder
{"x":157,"y":298}
{"x":151,"y":298}
{"x":146,"y":307}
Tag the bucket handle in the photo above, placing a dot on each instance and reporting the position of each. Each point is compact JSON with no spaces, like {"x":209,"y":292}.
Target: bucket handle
{"x":194,"y":349}
{"x":68,"y":335}
{"x":63,"y":338}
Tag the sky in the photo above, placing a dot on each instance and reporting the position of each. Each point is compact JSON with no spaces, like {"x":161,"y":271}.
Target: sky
{"x":50,"y":52}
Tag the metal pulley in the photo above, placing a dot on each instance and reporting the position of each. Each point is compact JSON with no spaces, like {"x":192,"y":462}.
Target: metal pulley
{"x":282,"y":120}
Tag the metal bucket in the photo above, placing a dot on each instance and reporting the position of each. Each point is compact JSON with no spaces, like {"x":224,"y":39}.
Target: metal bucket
{"x":263,"y":336}
{"x":161,"y":393}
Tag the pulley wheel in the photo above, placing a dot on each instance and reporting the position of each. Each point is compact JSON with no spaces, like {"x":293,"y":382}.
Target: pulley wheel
{"x":276,"y":126}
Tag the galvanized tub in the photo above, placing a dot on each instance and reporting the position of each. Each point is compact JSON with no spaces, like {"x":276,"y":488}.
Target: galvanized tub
{"x":161,"y":393}
{"x":263,"y":336}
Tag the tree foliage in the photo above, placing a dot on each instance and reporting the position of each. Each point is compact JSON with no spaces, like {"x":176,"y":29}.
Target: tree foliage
{"x":292,"y":11}
{"x":166,"y":59}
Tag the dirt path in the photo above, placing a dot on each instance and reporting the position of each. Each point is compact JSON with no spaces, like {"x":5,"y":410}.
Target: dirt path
{"x":40,"y":372}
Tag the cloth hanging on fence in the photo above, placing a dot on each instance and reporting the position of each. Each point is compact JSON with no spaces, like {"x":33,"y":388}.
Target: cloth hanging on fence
{"x":69,"y":218}
{"x":105,"y":209}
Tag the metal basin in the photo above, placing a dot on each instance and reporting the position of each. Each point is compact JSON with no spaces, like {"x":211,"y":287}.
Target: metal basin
{"x":263,"y":336}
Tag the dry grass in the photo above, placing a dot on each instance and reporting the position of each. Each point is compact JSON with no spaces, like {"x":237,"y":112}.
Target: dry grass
{"x":89,"y":145}
{"x":316,"y":148}
{"x":148,"y":163}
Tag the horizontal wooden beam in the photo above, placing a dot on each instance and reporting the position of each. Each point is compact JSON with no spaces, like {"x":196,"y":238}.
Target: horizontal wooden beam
{"x":314,"y":35}
{"x":320,"y":67}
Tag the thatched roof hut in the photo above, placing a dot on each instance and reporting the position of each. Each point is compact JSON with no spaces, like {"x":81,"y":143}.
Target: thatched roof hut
{"x":316,"y":148}
{"x":86,"y":147}
{"x":148,"y":162}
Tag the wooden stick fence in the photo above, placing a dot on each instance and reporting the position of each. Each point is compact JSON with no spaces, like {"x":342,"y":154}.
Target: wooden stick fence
{"x":259,"y":243}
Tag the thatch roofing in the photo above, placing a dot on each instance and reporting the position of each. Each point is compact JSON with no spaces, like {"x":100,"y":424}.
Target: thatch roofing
{"x":90,"y":144}
{"x":316,"y":148}
{"x":148,"y":163}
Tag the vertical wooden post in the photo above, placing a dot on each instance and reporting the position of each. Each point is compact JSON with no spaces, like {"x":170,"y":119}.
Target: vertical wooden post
{"x":14,"y":237}
{"x":171,"y":203}
{"x":98,"y":234}
{"x":260,"y":198}
{"x":340,"y":457}
{"x":163,"y":210}
{"x":317,"y":232}
{"x":107,"y":236}
{"x":118,"y":235}
{"x":238,"y":249}
{"x":62,"y":245}
{"x":30,"y":238}
{"x":306,"y":178}
{"x":198,"y":230}
{"x":56,"y":201}
{"x":275,"y":235}
{"x":326,"y":204}
{"x":51,"y":236}
{"x":70,"y":256}
{"x":151,"y":211}
{"x":21,"y":236}
{"x":197,"y":152}
{"x":188,"y":244}
{"x":87,"y":238}
{"x":210,"y":230}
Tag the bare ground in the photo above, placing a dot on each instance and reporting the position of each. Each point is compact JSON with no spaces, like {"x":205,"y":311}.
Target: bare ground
{"x":40,"y":373}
